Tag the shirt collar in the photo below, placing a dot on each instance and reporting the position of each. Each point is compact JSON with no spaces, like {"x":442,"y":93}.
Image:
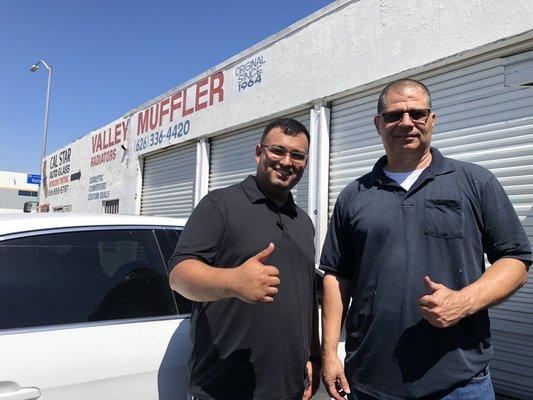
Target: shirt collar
{"x":254,"y":193}
{"x":439,"y":165}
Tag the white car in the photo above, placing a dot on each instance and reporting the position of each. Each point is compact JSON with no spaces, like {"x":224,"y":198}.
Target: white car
{"x":86,"y":312}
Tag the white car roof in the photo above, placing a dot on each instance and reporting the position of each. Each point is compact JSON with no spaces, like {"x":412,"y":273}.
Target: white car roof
{"x":18,"y":223}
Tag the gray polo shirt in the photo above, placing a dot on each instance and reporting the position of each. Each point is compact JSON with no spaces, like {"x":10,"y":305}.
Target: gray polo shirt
{"x":250,"y":351}
{"x":385,"y":239}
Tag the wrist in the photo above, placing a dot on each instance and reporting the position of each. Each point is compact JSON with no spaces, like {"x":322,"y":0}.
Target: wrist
{"x":230,"y":289}
{"x":469,"y":301}
{"x":329,"y":351}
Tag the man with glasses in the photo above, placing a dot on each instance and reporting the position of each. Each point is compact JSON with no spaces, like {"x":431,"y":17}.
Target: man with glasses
{"x":406,"y":244}
{"x":246,"y":259}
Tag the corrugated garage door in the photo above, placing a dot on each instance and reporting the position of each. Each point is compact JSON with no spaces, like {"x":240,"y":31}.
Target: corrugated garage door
{"x":481,"y":121}
{"x":168,"y":182}
{"x":232,"y":159}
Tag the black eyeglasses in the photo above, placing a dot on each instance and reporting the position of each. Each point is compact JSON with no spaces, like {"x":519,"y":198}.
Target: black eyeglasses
{"x":279,"y":153}
{"x":417,"y":115}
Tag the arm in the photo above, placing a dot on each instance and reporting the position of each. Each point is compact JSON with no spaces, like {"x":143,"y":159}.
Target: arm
{"x":505,"y":243}
{"x":252,"y":281}
{"x":444,"y":307}
{"x":500,"y":281}
{"x":334,"y":308}
{"x":198,"y":281}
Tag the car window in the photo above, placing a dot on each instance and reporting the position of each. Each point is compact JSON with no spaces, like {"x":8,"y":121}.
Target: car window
{"x":168,"y":239}
{"x":73,"y":277}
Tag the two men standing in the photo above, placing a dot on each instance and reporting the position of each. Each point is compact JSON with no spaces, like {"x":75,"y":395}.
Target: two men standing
{"x":406,"y":245}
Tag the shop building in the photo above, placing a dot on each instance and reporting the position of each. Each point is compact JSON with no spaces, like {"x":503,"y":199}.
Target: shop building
{"x":17,"y":188}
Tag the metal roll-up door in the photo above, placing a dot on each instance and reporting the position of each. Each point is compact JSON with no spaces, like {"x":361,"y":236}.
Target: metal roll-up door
{"x":232,"y":159}
{"x":478,"y":120}
{"x":168,"y":182}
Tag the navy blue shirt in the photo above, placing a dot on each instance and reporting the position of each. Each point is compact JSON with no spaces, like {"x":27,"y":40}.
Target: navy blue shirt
{"x":385,"y":239}
{"x":250,"y":351}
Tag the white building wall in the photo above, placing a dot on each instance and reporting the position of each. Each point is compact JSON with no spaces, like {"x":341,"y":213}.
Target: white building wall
{"x":342,"y":48}
{"x":16,"y":180}
{"x":90,"y":170}
{"x":15,"y":190}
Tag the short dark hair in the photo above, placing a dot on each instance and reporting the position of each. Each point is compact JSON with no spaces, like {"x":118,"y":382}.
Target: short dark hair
{"x":288,"y":126}
{"x":401,"y":84}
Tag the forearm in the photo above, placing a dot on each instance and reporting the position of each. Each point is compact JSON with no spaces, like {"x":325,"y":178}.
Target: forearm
{"x":335,"y":304}
{"x":498,"y":282}
{"x":198,"y":281}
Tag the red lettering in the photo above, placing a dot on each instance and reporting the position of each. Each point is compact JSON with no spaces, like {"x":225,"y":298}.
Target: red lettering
{"x":99,"y":145}
{"x":111,"y":139}
{"x":59,"y":181}
{"x":105,"y":144}
{"x":125,"y":128}
{"x":200,"y":93}
{"x":142,"y":121}
{"x":174,"y":104}
{"x":186,"y":111}
{"x":154,"y":116}
{"x":216,"y":88}
{"x":164,"y":111}
{"x":118,"y":132}
{"x":96,"y":143}
{"x":109,"y":155}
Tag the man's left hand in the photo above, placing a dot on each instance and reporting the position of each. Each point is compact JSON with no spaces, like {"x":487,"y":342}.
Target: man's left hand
{"x":443,"y":307}
{"x":313,"y":380}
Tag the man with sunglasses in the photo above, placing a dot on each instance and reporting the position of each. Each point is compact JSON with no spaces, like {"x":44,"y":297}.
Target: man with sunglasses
{"x":246,"y":259}
{"x":406,"y":244}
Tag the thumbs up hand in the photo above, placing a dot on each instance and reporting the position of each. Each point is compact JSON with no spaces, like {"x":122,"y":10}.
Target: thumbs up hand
{"x":442,"y":307}
{"x":255,"y":282}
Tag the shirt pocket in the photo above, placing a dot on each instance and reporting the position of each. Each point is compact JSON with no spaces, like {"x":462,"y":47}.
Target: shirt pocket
{"x":444,"y":218}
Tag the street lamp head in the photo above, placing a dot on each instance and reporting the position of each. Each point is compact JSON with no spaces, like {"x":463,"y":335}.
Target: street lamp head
{"x":35,"y":66}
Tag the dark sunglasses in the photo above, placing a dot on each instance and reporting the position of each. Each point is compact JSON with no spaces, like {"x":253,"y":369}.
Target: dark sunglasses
{"x":278,"y":153}
{"x":416,"y":115}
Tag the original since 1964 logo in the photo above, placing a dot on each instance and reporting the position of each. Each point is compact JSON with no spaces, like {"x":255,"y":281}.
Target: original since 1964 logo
{"x":249,"y":73}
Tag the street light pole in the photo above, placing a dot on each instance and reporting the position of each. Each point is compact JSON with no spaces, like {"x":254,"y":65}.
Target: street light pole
{"x":34,"y":68}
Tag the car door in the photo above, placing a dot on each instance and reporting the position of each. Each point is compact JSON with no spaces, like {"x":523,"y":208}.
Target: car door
{"x":88,"y":314}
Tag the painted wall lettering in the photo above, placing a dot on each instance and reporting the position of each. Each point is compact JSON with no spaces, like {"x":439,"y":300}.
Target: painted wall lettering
{"x":97,"y":188}
{"x":58,"y":178}
{"x":105,"y":141}
{"x":249,"y":73}
{"x":204,"y":93}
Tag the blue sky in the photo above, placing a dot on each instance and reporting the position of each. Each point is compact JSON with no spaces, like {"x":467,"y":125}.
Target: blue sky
{"x":109,"y":56}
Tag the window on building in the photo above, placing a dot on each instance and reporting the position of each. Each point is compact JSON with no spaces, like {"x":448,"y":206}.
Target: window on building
{"x":75,"y":277}
{"x":28,"y":193}
{"x":110,"y":206}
